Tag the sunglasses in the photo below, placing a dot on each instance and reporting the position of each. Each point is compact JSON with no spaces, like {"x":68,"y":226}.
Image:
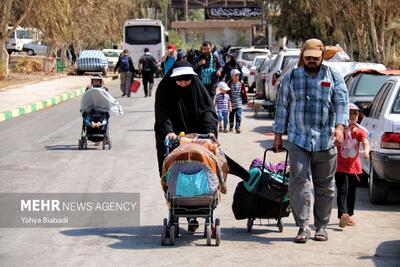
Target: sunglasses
{"x":312,"y":58}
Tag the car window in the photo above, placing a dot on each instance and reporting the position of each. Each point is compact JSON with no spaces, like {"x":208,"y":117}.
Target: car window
{"x":385,"y":90}
{"x":111,"y":54}
{"x":369,"y":84}
{"x":274,"y":64}
{"x":258,"y":61}
{"x":288,"y":59}
{"x":375,"y":101}
{"x":396,"y":104}
{"x":249,"y":56}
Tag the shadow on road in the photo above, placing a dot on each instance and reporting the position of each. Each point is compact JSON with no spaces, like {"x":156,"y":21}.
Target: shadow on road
{"x":386,"y":254}
{"x":140,"y":111}
{"x":141,"y":130}
{"x":69,"y":148}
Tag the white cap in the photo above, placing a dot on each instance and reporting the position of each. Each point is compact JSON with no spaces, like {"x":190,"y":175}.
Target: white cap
{"x":183,"y":71}
{"x":234,"y":72}
{"x":97,"y":77}
{"x":223,"y":86}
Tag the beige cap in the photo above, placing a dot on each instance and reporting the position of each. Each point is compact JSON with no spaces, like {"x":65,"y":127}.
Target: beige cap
{"x":313,"y":48}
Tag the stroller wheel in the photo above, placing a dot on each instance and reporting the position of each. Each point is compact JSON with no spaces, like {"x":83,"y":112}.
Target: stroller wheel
{"x":104,"y":144}
{"x":172,"y":235}
{"x":85,"y":144}
{"x":164,"y":233}
{"x":280,"y":226}
{"x":109,"y":143}
{"x":217,"y":232}
{"x":208,"y":234}
{"x":80,"y":146}
{"x":250,"y":222}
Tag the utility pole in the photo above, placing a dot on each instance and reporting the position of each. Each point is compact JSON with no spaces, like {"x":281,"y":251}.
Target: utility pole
{"x":186,"y":10}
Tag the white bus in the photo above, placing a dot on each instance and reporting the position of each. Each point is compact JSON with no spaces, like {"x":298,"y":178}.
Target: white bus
{"x":141,"y":33}
{"x":20,"y":37}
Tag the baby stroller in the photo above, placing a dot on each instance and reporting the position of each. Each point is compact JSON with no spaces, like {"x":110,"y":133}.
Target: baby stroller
{"x":95,"y":128}
{"x":193,"y":174}
{"x":264,"y":195}
{"x":96,"y":104}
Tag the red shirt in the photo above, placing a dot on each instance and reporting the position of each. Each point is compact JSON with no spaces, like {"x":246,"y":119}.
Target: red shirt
{"x":351,"y":164}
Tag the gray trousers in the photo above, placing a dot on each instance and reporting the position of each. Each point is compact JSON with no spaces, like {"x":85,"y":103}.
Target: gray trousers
{"x":306,"y":168}
{"x":126,"y":79}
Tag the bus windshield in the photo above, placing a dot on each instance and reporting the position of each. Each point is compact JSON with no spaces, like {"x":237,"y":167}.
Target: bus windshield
{"x":135,"y":35}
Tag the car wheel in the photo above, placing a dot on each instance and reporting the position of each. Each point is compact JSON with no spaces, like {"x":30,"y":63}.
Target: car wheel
{"x":378,"y":188}
{"x":30,"y":52}
{"x":79,"y":72}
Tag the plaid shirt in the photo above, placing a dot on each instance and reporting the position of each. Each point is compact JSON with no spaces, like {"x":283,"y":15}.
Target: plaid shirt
{"x":308,"y":108}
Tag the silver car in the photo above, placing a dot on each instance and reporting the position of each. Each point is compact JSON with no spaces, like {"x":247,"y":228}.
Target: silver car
{"x":35,"y":48}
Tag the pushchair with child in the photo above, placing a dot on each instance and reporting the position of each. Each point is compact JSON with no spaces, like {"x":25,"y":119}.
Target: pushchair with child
{"x":265,"y":194}
{"x":193,"y":175}
{"x":96,"y":104}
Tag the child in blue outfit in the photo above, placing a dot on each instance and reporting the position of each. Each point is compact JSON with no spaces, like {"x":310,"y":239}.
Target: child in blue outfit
{"x":223,"y":104}
{"x":236,"y":99}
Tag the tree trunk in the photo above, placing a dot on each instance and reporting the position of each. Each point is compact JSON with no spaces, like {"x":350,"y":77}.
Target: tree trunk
{"x":374,"y":36}
{"x":362,"y":56}
{"x":5,"y":17}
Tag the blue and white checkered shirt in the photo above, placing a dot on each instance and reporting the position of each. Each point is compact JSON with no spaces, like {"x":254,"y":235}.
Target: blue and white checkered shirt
{"x":308,"y":108}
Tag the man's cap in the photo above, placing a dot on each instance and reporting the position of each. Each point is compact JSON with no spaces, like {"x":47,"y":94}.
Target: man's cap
{"x":97,"y":77}
{"x":183,"y":68}
{"x":171,"y":46}
{"x":223,"y":86}
{"x":235,"y":72}
{"x":313,"y":48}
{"x":353,"y":106}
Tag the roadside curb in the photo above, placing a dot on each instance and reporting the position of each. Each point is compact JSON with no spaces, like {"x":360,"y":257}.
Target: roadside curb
{"x":52,"y":101}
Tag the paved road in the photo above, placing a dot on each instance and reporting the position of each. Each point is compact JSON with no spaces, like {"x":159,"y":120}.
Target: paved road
{"x":39,"y":154}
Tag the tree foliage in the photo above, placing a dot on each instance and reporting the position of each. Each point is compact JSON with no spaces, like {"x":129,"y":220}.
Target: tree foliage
{"x":368,"y":30}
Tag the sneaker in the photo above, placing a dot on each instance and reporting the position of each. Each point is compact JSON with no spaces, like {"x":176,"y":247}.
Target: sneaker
{"x":238,"y":131}
{"x":230,"y":129}
{"x":344,"y":220}
{"x":225,"y":130}
{"x":193,"y":225}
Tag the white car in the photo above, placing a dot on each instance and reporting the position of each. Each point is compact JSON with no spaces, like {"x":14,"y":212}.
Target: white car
{"x":35,"y":48}
{"x":251,"y":79}
{"x":280,"y":62}
{"x":246,"y":56}
{"x":112,"y":56}
{"x":383,"y":124}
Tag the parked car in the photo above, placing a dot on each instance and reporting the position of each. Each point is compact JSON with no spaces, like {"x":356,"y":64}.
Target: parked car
{"x":251,"y":79}
{"x":261,"y":75}
{"x":246,"y":56}
{"x":92,"y":61}
{"x":35,"y":48}
{"x":345,"y":68}
{"x":234,"y":50}
{"x":112,"y":56}
{"x":383,"y":124}
{"x":273,"y":73}
{"x":364,"y":84}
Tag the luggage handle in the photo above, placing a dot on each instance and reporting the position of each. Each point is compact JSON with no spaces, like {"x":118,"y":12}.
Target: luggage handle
{"x":284,"y":175}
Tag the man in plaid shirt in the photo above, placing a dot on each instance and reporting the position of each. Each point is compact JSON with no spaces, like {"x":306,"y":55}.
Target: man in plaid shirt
{"x":312,"y":107}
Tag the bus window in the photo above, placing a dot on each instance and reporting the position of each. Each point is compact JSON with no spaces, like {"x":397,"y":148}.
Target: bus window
{"x":142,"y":35}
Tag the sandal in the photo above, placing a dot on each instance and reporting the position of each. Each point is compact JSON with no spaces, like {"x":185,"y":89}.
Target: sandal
{"x":344,"y":220}
{"x":302,"y":235}
{"x":351,"y":222}
{"x":321,"y":234}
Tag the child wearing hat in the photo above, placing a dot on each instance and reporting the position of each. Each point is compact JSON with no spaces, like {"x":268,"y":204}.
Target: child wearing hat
{"x":223,"y":104}
{"x":349,"y":166}
{"x":236,"y":100}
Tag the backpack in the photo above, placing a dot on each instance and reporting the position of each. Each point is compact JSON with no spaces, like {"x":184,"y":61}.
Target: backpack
{"x":124,"y":64}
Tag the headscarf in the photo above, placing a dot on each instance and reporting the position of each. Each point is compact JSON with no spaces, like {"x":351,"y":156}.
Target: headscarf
{"x":187,"y":109}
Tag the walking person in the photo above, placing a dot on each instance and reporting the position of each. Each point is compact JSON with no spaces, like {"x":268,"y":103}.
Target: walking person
{"x":147,"y":66}
{"x":126,"y":70}
{"x":169,"y":58}
{"x":312,"y":107}
{"x":236,"y":98}
{"x":224,"y":106}
{"x":230,"y":64}
{"x":206,"y":65}
{"x":349,"y":166}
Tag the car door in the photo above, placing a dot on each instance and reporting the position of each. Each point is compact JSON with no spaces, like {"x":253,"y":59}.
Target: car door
{"x":374,"y":122}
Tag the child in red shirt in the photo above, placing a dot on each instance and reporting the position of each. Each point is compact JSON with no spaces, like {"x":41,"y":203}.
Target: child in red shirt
{"x":349,"y":166}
